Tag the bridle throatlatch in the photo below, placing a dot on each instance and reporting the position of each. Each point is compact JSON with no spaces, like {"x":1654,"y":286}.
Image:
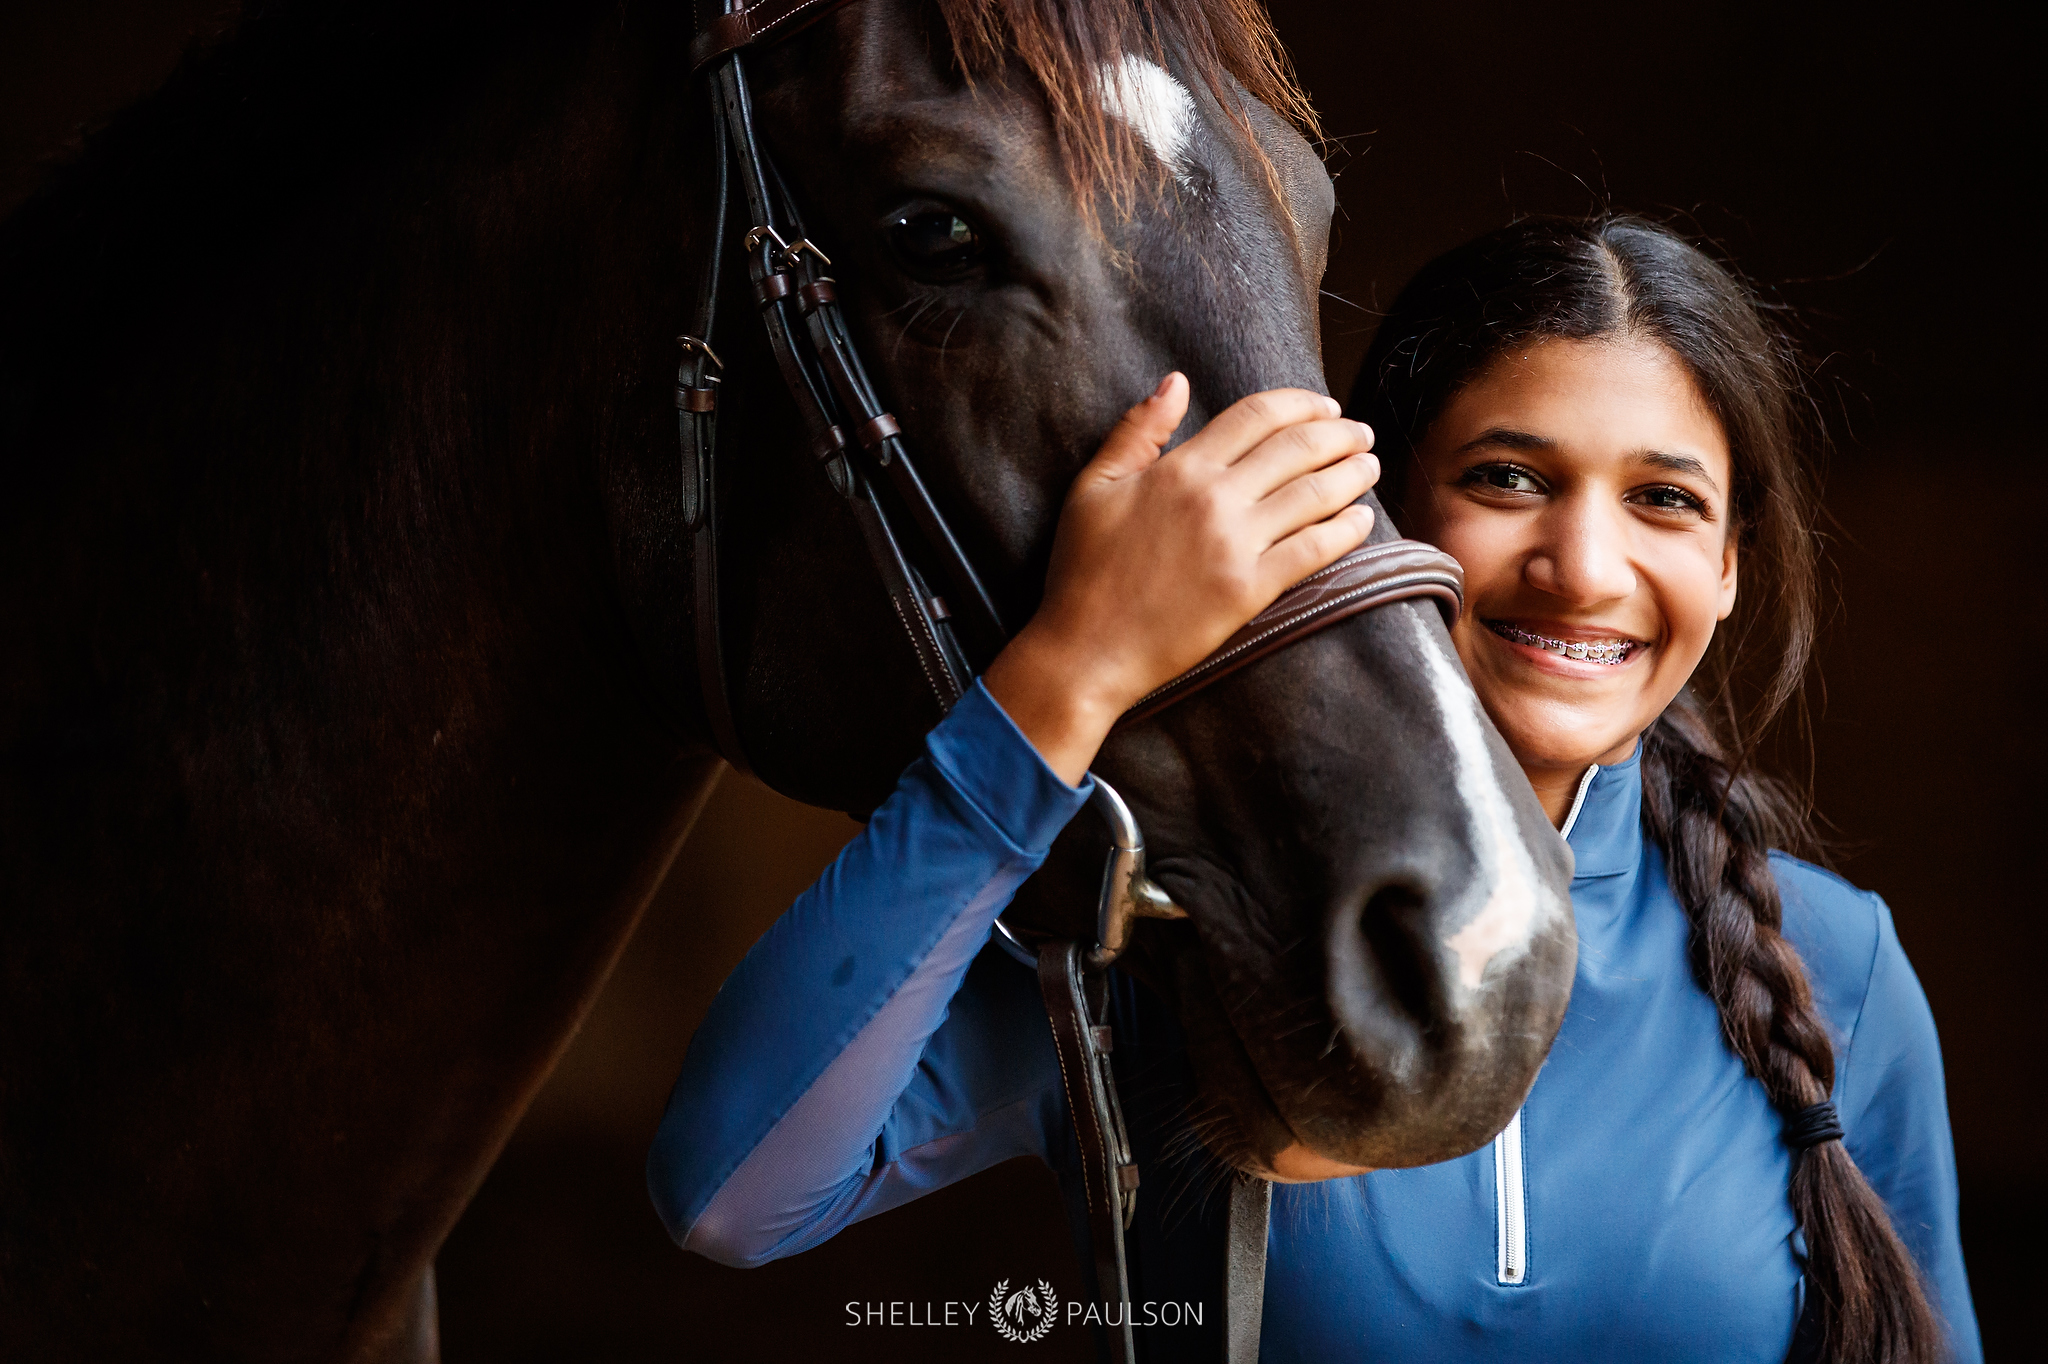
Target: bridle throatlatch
{"x":867,"y":462}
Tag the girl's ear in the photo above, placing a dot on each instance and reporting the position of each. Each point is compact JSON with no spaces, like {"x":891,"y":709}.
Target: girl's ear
{"x":1729,"y":557}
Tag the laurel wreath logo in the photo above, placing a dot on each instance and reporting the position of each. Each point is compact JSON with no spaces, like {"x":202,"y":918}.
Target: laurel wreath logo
{"x":1012,"y":1311}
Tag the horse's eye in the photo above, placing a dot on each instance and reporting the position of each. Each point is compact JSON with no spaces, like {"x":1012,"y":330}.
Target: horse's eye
{"x":935,"y":242}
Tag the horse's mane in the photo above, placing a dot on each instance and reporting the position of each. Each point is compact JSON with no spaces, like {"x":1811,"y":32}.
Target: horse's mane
{"x":1066,"y":45}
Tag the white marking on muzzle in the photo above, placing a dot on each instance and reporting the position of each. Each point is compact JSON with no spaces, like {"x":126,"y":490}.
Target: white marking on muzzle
{"x":1509,"y":892}
{"x":1159,"y":108}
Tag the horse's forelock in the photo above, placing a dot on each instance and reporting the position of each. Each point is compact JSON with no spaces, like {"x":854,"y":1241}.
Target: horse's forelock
{"x":1074,"y":49}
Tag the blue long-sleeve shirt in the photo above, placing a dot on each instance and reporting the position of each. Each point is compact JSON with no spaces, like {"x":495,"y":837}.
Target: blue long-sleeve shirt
{"x":869,"y":1050}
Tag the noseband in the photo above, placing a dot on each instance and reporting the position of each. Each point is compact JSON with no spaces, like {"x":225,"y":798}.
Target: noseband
{"x":864,"y":457}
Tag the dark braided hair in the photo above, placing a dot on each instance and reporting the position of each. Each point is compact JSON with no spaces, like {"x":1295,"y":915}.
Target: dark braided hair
{"x":1627,"y":278}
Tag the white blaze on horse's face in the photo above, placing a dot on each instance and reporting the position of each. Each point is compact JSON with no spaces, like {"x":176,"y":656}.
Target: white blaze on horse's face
{"x":1158,"y":108}
{"x":1512,"y":902}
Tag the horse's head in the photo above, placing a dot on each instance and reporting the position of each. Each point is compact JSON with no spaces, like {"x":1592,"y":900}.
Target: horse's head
{"x":1380,"y":942}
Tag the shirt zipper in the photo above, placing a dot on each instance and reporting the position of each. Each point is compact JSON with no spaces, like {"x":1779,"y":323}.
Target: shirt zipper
{"x":1509,"y":1204}
{"x":1510,"y":1191}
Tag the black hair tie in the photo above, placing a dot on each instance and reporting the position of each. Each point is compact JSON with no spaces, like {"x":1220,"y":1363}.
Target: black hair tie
{"x":1809,"y":1127}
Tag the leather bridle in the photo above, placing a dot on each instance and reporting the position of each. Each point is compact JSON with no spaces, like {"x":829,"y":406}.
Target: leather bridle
{"x":865,"y":458}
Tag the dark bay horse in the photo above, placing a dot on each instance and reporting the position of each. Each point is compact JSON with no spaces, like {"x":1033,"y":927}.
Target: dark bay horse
{"x":350,"y":717}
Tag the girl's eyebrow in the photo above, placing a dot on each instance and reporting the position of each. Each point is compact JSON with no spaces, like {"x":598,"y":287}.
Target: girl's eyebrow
{"x":1510,"y":437}
{"x":1678,"y":464}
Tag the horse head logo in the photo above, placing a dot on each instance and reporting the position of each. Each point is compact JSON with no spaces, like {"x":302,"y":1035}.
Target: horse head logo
{"x":1025,"y":1315}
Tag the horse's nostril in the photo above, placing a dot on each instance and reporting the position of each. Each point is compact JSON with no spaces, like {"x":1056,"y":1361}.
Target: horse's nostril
{"x":1392,"y":928}
{"x":1385,"y":980}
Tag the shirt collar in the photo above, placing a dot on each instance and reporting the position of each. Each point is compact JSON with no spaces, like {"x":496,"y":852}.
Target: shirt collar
{"x":1605,"y":828}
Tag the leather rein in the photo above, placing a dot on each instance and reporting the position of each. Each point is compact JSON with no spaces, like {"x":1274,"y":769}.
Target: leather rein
{"x":866,"y":460}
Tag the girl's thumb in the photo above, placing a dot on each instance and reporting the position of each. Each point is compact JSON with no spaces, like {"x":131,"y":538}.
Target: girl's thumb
{"x":1133,"y":443}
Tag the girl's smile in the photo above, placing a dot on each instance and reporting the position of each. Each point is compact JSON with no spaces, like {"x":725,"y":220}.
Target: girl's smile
{"x":1556,"y":648}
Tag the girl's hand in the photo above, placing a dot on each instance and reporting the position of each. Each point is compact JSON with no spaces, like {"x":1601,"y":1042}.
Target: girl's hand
{"x":1160,"y":558}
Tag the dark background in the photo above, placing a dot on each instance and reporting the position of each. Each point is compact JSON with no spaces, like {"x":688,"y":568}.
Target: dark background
{"x":1864,"y":165}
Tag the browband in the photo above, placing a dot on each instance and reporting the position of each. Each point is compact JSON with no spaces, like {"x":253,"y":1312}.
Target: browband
{"x":745,"y":25}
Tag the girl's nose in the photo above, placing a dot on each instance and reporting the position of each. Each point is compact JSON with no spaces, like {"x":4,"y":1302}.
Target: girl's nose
{"x":1583,"y":556}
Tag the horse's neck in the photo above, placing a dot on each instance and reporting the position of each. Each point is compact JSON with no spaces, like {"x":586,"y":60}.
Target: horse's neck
{"x":323,"y":716}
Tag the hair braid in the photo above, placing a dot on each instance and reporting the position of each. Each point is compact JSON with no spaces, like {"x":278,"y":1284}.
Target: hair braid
{"x":1716,"y":824}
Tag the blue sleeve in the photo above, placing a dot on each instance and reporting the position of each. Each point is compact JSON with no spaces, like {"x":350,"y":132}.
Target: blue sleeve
{"x":1893,"y":1099}
{"x":1889,"y":1085}
{"x":843,"y":1069}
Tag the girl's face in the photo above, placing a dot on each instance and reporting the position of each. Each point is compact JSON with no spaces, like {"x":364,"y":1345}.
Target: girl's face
{"x":1584,"y":486}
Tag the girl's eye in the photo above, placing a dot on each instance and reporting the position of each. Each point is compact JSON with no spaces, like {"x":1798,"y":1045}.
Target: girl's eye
{"x":936,"y":242}
{"x":1506,"y":478}
{"x":1667,"y":498}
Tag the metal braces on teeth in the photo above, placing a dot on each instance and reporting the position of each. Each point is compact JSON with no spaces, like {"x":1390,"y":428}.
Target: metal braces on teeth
{"x":1608,"y":654}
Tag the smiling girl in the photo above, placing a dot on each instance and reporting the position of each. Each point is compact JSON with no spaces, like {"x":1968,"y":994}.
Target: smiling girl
{"x":1738,"y":1148}
{"x":1742,"y":1124}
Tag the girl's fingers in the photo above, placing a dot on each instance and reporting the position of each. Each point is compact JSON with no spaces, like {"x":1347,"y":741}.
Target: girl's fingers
{"x":1239,"y":428}
{"x":1288,"y":454}
{"x":1133,"y":443}
{"x":1314,"y":496}
{"x":1312,"y":548}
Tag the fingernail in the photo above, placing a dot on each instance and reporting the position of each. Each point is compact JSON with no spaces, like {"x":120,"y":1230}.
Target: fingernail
{"x":1164,"y":384}
{"x":1368,"y":432}
{"x":1336,"y":409}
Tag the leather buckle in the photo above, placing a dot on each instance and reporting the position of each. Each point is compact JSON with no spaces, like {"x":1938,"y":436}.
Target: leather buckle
{"x":698,"y":395}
